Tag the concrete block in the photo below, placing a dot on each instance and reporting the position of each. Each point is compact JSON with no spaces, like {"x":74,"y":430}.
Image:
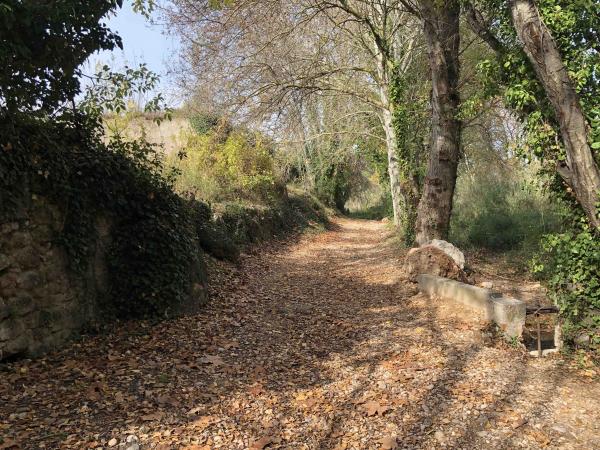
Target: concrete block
{"x":507,"y":313}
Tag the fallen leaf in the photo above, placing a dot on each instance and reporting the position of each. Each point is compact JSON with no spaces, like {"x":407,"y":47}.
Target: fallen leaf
{"x":153,"y":416}
{"x":259,"y":372}
{"x":95,"y":391}
{"x":203,"y":422}
{"x":212,"y":359}
{"x":262,"y":443}
{"x":8,"y":444}
{"x":540,"y":438}
{"x":257,"y":389}
{"x":520,"y":422}
{"x":167,"y":400}
{"x":195,"y":410}
{"x":389,"y":443}
{"x":373,"y":407}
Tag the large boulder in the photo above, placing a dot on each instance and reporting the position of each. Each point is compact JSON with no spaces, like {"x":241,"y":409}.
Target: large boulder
{"x":430,"y":259}
{"x":451,"y":251}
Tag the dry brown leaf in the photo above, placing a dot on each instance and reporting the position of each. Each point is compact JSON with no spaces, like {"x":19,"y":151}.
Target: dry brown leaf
{"x":203,"y":422}
{"x":373,"y":407}
{"x":8,"y":444}
{"x":540,"y":438}
{"x":153,"y":416}
{"x":167,"y":400}
{"x":519,"y":422}
{"x":257,"y":389}
{"x":262,"y":443}
{"x":389,"y":443}
{"x":212,"y":359}
{"x":259,"y":372}
{"x":195,"y":410}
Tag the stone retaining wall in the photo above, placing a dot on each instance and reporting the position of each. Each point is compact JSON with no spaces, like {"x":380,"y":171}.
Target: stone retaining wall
{"x":42,"y":303}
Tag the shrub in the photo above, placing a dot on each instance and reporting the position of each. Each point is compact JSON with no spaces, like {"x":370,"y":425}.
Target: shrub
{"x":570,"y":265}
{"x":496,"y":213}
{"x":245,"y":224}
{"x":223,"y":165}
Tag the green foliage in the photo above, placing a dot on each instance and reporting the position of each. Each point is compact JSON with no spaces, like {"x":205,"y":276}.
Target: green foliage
{"x":64,"y":157}
{"x":377,"y":210}
{"x":246,"y":224}
{"x":43,"y":45}
{"x":501,"y":214}
{"x":570,"y":264}
{"x":225,"y":164}
{"x":154,"y":247}
{"x":111,"y":92}
{"x":569,"y":261}
{"x":204,"y":123}
{"x":410,"y":120}
{"x":574,"y":26}
{"x":332,"y":183}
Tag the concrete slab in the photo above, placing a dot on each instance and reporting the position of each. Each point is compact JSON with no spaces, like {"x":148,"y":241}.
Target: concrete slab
{"x":507,"y":313}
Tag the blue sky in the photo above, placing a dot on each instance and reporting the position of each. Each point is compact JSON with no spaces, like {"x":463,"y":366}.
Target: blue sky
{"x":143,"y":42}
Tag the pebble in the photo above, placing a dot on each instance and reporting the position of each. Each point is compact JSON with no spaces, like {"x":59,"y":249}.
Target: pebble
{"x":113,"y":442}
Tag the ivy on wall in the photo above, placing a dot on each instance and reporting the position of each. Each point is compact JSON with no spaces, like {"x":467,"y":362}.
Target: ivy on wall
{"x":154,"y":249}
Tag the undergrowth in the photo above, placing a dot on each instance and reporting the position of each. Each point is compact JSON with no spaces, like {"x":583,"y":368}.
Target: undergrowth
{"x":502,"y":214}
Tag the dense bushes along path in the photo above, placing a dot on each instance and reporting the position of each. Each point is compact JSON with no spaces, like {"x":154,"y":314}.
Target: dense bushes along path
{"x":314,"y":344}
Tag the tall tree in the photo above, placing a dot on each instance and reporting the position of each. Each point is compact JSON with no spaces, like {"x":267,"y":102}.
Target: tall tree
{"x":580,"y":171}
{"x":441,"y":27}
{"x":554,"y":60}
{"x":276,"y":53}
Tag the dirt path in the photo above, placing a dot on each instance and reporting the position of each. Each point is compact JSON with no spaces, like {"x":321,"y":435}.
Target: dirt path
{"x":319,"y":344}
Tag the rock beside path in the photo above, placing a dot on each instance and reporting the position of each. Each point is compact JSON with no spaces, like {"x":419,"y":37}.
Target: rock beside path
{"x":452,"y":251}
{"x":432,"y":260}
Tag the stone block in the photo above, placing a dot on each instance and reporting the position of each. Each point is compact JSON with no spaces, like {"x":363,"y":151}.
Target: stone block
{"x":4,"y":309}
{"x":43,"y":233}
{"x":21,"y":305}
{"x":9,"y":227}
{"x":19,"y":240}
{"x":8,"y":281}
{"x":507,"y":313}
{"x":429,"y":259}
{"x":450,"y":250}
{"x":6,"y":330}
{"x":4,"y":262}
{"x":29,"y":280}
{"x":27,"y":258}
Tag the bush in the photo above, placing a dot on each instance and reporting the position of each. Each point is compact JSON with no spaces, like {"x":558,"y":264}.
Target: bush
{"x":246,"y":224}
{"x":226,"y":165}
{"x":501,"y":214}
{"x":570,"y":265}
{"x":333,"y":184}
{"x":43,"y":45}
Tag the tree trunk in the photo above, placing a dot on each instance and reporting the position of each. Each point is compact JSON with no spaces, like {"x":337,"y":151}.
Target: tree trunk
{"x":580,"y":172}
{"x":441,"y":25}
{"x":400,"y":204}
{"x":393,"y":167}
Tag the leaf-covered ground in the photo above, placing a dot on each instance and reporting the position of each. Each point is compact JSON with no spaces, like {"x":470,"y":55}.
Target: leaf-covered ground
{"x":315,"y":344}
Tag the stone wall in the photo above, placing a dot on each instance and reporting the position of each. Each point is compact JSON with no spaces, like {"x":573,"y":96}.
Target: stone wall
{"x":42,"y":303}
